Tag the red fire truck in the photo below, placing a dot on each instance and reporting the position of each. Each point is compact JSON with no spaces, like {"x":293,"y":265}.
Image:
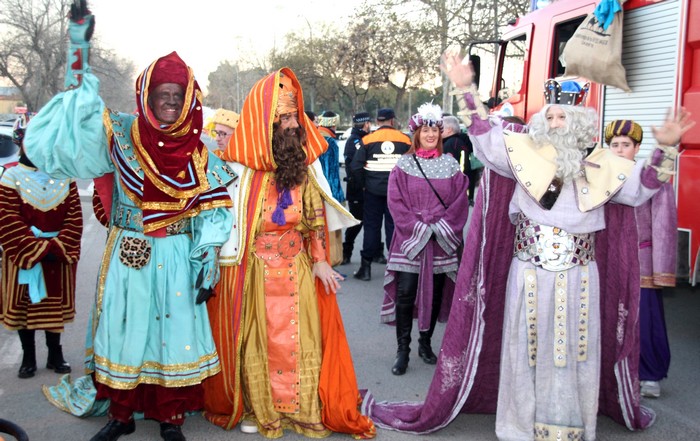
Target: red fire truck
{"x":661,"y":55}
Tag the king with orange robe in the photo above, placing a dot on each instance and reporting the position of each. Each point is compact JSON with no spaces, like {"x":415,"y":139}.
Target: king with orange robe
{"x":285,"y":359}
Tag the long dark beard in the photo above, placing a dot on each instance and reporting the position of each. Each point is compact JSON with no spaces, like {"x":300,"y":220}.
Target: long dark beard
{"x":288,"y":151}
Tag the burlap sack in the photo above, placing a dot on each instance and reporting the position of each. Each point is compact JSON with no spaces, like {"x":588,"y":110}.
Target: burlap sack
{"x":596,"y":53}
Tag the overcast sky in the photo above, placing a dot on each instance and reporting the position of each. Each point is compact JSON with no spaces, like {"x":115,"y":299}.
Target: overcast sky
{"x":217,"y":30}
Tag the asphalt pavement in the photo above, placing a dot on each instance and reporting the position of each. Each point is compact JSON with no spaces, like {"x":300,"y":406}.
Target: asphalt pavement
{"x":373,"y":346}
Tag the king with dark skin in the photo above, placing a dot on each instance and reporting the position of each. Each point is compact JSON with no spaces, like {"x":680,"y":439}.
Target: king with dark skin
{"x":166,"y":102}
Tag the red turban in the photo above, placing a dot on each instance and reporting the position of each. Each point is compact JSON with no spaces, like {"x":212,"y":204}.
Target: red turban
{"x":169,"y":69}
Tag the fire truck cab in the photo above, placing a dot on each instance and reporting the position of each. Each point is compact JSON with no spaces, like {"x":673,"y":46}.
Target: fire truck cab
{"x":661,"y":55}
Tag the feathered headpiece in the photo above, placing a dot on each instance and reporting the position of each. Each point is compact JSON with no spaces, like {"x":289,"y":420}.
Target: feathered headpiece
{"x":429,"y":114}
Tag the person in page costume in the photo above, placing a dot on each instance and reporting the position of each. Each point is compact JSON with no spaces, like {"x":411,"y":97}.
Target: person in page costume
{"x":149,"y":345}
{"x":285,"y":359}
{"x":532,"y":333}
{"x":656,"y":224}
{"x":428,"y":192}
{"x":41,"y":224}
{"x":221,"y":126}
{"x":327,"y":123}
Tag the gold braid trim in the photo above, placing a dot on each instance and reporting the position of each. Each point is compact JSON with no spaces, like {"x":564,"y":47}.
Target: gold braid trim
{"x":153,"y":365}
{"x":121,"y":385}
{"x":152,"y":173}
{"x":102,"y":278}
{"x":164,"y":206}
{"x":153,"y":226}
{"x":186,"y":128}
{"x":107,"y":123}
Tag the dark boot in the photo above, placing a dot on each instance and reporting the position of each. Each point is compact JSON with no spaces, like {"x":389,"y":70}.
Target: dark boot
{"x":404,"y":324}
{"x":365,"y":271}
{"x":406,"y":285}
{"x":55,"y":360}
{"x":171,"y":432}
{"x":380,"y":258}
{"x":113,"y":430}
{"x":347,"y":253}
{"x":28,"y":366}
{"x":425,"y":351}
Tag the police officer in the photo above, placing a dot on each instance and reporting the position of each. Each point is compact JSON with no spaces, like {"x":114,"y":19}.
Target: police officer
{"x":361,"y":123}
{"x":371,"y":165}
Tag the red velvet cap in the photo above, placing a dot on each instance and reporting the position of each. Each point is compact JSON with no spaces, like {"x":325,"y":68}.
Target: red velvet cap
{"x":169,"y":69}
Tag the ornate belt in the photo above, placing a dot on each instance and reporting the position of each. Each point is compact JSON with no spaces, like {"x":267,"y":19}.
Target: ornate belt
{"x":131,"y":218}
{"x":551,"y":247}
{"x":271,"y":245}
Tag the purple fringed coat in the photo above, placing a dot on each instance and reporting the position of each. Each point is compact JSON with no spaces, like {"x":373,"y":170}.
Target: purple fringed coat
{"x":419,"y":216}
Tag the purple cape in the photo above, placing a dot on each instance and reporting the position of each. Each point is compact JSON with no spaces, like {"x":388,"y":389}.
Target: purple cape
{"x":466,"y":376}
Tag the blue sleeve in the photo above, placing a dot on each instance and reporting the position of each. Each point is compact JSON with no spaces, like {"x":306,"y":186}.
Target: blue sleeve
{"x":67,"y":138}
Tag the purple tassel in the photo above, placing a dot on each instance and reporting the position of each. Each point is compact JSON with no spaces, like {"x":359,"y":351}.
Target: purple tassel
{"x":284,"y":200}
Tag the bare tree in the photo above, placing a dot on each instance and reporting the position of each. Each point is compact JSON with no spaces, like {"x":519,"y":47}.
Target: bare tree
{"x":117,"y":77}
{"x":229,"y":85}
{"x":33,"y":51}
{"x":313,"y":56}
{"x":33,"y":47}
{"x":395,"y":56}
{"x":439,"y":24}
{"x":301,"y":55}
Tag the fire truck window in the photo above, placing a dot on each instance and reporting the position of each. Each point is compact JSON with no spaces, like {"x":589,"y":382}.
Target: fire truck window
{"x":483,"y":58}
{"x":562,"y":33}
{"x":513,"y":68}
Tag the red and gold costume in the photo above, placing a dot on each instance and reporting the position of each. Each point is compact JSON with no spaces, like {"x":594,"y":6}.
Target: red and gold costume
{"x":50,"y":206}
{"x":285,"y":358}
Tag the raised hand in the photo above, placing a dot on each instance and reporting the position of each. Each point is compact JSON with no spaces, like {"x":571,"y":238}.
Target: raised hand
{"x":462,"y":75}
{"x":673,"y":128}
{"x":81,"y":16}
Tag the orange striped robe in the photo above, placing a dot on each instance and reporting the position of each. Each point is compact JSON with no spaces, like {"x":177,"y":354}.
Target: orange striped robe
{"x":251,"y":145}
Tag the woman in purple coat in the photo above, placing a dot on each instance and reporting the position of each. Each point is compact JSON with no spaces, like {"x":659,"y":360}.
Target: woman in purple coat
{"x":427,"y":195}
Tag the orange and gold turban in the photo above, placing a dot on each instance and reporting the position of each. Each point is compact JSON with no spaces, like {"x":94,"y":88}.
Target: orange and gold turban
{"x":251,"y":144}
{"x":287,"y":102}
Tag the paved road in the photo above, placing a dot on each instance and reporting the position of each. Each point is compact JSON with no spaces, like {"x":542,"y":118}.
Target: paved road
{"x":373,"y":346}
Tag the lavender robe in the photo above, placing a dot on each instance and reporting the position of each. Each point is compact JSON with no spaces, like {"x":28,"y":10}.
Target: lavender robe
{"x":411,"y":200}
{"x":467,"y":375}
{"x":656,"y":224}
